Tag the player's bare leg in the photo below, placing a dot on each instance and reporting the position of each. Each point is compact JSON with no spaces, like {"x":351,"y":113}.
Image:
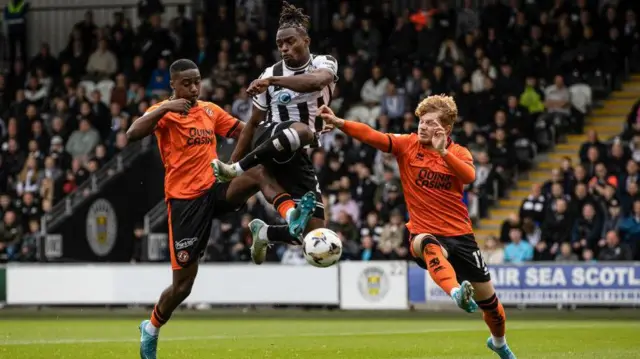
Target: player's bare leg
{"x":249,"y":183}
{"x":433,"y":257}
{"x":287,"y":140}
{"x":494,"y":315}
{"x":170,"y":299}
{"x":264,"y":233}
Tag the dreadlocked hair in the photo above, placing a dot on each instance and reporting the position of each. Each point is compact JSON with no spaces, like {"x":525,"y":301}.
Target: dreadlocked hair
{"x":292,"y":16}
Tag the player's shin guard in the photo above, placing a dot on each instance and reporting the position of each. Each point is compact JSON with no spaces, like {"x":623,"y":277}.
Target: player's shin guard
{"x":281,"y":234}
{"x":440,"y":270}
{"x":493,"y":314}
{"x":284,"y":204}
{"x":285,"y":141}
{"x":158,"y":319}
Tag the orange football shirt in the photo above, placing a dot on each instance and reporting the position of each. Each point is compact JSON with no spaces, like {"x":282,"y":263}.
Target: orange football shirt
{"x":432,"y":191}
{"x":187,"y":146}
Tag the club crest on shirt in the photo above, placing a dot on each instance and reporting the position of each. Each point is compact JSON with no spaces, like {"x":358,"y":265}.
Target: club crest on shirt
{"x":208,"y":111}
{"x":284,"y":98}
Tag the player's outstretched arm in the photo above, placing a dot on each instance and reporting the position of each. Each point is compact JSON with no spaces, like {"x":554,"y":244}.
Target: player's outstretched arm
{"x":357,"y":130}
{"x":246,"y":135}
{"x":145,"y":125}
{"x":309,"y":82}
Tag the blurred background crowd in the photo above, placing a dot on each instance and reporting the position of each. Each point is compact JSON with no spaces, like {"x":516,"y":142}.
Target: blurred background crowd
{"x":525,"y":75}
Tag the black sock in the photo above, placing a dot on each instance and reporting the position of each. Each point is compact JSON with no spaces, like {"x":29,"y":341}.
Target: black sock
{"x":285,"y":141}
{"x":280,"y":234}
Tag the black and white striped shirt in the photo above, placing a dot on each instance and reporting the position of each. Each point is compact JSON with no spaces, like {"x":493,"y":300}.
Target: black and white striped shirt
{"x":282,"y":104}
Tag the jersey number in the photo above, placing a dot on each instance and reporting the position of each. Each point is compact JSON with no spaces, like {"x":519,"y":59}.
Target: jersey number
{"x":479,"y":260}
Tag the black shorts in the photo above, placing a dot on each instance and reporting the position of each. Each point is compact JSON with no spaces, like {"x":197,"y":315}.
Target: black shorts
{"x":190,"y":223}
{"x":293,"y":171}
{"x":465,"y":258}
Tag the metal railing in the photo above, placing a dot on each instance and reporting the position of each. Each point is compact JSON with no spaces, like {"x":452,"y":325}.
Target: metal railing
{"x":155,"y":216}
{"x":93,"y":184}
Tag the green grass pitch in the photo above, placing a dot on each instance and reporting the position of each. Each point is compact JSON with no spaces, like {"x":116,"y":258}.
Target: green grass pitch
{"x":313,"y":338}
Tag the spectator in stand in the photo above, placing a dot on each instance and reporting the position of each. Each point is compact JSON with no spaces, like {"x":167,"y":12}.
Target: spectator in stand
{"x":102,"y":63}
{"x":518,"y":250}
{"x":10,"y":235}
{"x":83,"y":140}
{"x":374,"y":89}
{"x":492,"y":253}
{"x":630,"y":228}
{"x":586,"y":230}
{"x":557,"y":226}
{"x":534,"y":205}
{"x":614,"y":250}
{"x":372,"y":228}
{"x":566,"y":254}
{"x":392,"y":238}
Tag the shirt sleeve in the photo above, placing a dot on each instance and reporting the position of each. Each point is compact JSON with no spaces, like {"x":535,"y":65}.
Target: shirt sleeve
{"x":261,"y":100}
{"x":463,"y":154}
{"x":327,"y":62}
{"x":398,"y":143}
{"x":226,"y":124}
{"x":162,"y":122}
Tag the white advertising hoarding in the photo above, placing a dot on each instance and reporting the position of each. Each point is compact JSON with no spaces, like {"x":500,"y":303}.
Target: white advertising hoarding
{"x":80,"y":284}
{"x":373,"y":285}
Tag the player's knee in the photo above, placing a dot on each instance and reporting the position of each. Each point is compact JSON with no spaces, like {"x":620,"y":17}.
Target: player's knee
{"x":260,"y":174}
{"x":431,"y":243}
{"x":183,"y":290}
{"x":304,"y":132}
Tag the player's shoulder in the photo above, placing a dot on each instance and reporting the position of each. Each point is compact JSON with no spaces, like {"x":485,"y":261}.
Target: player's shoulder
{"x":460,"y":151}
{"x":319,"y":58}
{"x":270,"y":70}
{"x":403,"y":142}
{"x":325,"y":61}
{"x":210,"y":109}
{"x":405,"y":137}
{"x":155,"y":106}
{"x":454,"y":147}
{"x":208,"y":105}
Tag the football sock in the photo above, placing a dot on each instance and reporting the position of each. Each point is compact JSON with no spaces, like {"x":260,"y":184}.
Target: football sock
{"x":285,"y":141}
{"x":157,"y":321}
{"x":280,"y":234}
{"x":493,"y":314}
{"x":285,"y":205}
{"x":439,"y":268}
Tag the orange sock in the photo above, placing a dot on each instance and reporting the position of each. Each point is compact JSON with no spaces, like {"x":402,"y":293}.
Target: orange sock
{"x":283,"y":203}
{"x":440,"y":269}
{"x":493,"y":314}
{"x":157,"y":319}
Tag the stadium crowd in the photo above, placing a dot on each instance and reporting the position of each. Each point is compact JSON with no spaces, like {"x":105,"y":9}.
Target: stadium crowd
{"x":518,"y":73}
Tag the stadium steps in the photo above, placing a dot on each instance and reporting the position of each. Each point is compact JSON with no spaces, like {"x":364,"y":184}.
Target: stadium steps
{"x":608,"y":121}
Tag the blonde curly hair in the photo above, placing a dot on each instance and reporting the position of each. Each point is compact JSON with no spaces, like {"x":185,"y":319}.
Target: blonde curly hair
{"x":443,"y":104}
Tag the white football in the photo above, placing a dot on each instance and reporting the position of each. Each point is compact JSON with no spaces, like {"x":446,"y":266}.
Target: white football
{"x":322,"y":247}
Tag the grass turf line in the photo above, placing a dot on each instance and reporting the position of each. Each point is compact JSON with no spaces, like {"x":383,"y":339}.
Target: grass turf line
{"x":371,"y":339}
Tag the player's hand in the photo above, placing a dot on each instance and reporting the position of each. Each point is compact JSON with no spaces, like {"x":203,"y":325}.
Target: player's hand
{"x":439,"y":140}
{"x":257,"y":87}
{"x":331,"y":121}
{"x":179,"y":105}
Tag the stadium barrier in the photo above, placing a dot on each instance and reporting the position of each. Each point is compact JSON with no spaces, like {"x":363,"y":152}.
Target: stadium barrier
{"x":351,"y":285}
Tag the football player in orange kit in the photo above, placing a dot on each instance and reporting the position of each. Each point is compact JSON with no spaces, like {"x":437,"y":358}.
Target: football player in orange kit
{"x":186,"y":131}
{"x":433,"y":172}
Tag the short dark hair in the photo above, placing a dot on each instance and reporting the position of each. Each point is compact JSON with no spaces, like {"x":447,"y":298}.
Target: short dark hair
{"x":182,"y":65}
{"x":292,"y":16}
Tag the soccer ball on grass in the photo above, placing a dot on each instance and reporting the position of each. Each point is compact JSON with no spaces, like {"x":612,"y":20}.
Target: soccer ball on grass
{"x":322,"y":247}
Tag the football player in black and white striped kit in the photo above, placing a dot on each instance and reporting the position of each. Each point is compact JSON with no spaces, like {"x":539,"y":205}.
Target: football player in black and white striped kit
{"x":282,"y":126}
